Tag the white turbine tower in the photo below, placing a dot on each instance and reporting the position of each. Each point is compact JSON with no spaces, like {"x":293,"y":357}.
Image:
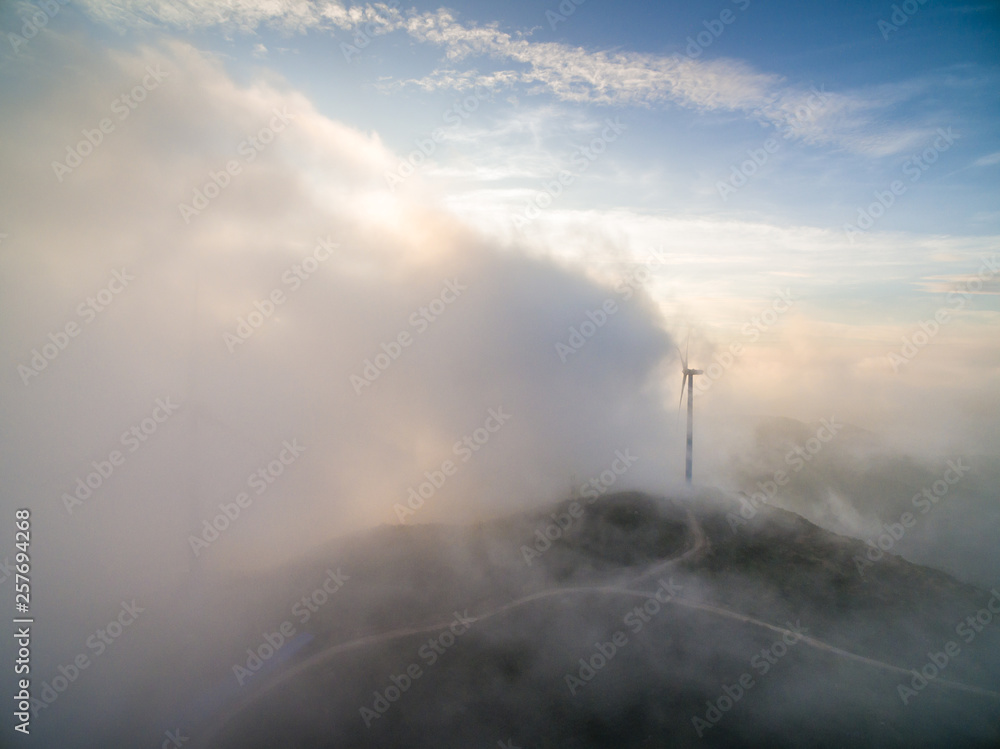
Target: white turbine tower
{"x":688,"y":382}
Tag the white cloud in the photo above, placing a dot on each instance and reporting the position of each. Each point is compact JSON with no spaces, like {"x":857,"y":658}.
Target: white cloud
{"x":245,"y":16}
{"x":988,"y":160}
{"x":571,"y":74}
{"x":291,"y":378}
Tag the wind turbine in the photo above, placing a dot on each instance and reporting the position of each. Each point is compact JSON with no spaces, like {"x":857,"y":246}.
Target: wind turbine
{"x":688,"y":382}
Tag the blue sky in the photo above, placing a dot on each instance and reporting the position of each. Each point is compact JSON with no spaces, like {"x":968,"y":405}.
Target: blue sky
{"x":366,"y":255}
{"x":889,"y":95}
{"x":803,"y":150}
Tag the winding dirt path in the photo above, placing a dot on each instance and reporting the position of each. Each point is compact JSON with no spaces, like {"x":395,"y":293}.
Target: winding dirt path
{"x":699,"y":545}
{"x":697,"y":549}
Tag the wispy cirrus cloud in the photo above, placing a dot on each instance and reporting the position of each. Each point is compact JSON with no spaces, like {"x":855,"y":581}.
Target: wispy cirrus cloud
{"x":245,"y":16}
{"x":629,"y":79}
{"x":851,"y":120}
{"x":988,"y":160}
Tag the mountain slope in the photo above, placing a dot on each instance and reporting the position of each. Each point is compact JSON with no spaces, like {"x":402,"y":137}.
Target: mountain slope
{"x":628,"y":621}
